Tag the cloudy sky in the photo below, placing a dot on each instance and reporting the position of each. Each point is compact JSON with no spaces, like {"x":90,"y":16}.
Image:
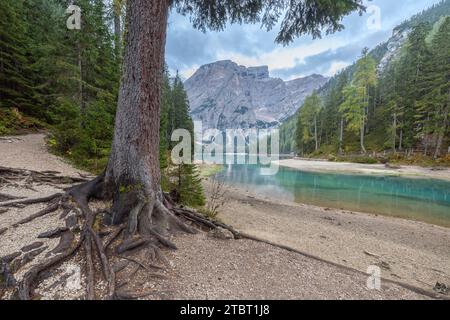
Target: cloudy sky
{"x":249,"y":45}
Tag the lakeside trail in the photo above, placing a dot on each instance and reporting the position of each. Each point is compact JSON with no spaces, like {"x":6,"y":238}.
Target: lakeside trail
{"x":203,"y":267}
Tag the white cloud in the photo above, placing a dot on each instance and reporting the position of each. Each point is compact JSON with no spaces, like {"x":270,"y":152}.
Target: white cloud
{"x":250,"y":46}
{"x":283,"y":57}
{"x":335,"y":67}
{"x":187,"y":73}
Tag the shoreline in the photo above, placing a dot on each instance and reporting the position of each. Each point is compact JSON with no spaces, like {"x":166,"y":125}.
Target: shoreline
{"x":365,"y":169}
{"x":409,"y":251}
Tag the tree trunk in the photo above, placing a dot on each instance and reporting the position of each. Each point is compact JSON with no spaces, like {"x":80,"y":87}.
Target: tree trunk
{"x":437,"y":153}
{"x":394,"y":135}
{"x":341,"y":136}
{"x":80,"y":85}
{"x":315,"y":132}
{"x":133,"y":172}
{"x":426,"y":134}
{"x":400,"y":142}
{"x":363,"y":149}
{"x":117,"y":30}
{"x":367,"y":104}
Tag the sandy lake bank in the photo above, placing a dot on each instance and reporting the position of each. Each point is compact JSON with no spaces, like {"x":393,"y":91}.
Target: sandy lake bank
{"x":366,"y":169}
{"x":408,"y":251}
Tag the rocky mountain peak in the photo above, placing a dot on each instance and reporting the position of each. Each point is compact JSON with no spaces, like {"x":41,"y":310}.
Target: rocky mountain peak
{"x":226,"y":95}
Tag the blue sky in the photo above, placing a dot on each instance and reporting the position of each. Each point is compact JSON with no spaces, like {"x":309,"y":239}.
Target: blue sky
{"x":249,"y":45}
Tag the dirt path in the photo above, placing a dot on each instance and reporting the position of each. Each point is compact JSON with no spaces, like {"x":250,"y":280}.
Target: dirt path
{"x":202,"y":268}
{"x":30,"y":152}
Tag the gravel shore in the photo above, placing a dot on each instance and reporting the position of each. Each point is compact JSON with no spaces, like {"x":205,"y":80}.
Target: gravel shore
{"x":408,"y":251}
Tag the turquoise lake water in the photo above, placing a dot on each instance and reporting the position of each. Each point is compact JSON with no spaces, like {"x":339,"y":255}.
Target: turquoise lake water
{"x":424,"y":200}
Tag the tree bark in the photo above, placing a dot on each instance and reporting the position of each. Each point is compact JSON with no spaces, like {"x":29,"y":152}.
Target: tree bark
{"x":440,"y":140}
{"x":367,"y":109}
{"x":400,"y":142}
{"x":80,"y":85}
{"x":117,"y":30}
{"x":394,"y":135}
{"x":341,"y":136}
{"x":426,"y":135}
{"x":315,"y":132}
{"x":133,"y":172}
{"x":363,"y":130}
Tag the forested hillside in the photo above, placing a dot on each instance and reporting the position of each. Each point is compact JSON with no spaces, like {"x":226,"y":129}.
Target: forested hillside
{"x":401,"y":108}
{"x":68,"y":80}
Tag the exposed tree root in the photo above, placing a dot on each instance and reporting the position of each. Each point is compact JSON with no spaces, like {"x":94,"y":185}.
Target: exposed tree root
{"x":150,"y":220}
{"x":20,"y":178}
{"x":10,"y":139}
{"x":5,"y":197}
{"x":51,"y":208}
{"x":27,"y":202}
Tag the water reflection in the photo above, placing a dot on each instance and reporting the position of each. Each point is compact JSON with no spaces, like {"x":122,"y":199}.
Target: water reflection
{"x":419,"y":199}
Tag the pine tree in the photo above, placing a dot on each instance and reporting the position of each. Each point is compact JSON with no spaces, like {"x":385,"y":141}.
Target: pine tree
{"x":308,"y":121}
{"x":180,"y":110}
{"x":357,"y":98}
{"x":118,"y":17}
{"x":164,"y":131}
{"x":183,"y":180}
{"x":186,"y":187}
{"x":409,"y":74}
{"x":436,"y":88}
{"x":15,"y":83}
{"x":402,"y":106}
{"x":86,"y":85}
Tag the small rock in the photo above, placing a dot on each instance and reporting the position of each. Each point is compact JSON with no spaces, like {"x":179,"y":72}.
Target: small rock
{"x":3,"y":230}
{"x":71,"y":221}
{"x":384,"y":265}
{"x":438,"y":169}
{"x":393,"y":167}
{"x":371,"y":254}
{"x":441,"y":288}
{"x":221,"y":234}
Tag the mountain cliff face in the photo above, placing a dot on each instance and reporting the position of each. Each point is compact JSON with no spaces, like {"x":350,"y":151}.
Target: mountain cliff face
{"x":393,"y":46}
{"x":224,"y":95}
